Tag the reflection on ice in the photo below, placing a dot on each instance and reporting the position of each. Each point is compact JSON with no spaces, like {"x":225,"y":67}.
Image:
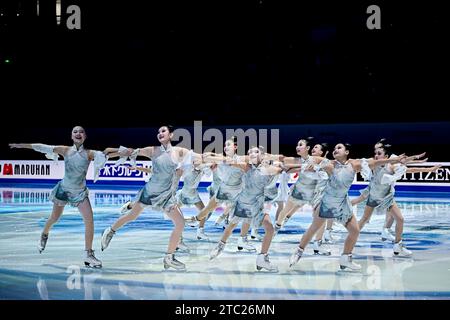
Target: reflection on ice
{"x":132,"y":266}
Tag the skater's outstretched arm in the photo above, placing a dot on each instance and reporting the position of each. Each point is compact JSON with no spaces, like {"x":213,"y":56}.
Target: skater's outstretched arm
{"x":39,"y":147}
{"x":271,"y":170}
{"x":126,"y":152}
{"x":415,"y":170}
{"x":415,"y":158}
{"x":375,"y":163}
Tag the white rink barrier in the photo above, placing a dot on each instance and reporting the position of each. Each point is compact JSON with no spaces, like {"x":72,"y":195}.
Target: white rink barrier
{"x":36,"y":171}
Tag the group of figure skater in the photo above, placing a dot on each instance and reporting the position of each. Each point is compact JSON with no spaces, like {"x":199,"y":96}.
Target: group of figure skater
{"x":246,"y":186}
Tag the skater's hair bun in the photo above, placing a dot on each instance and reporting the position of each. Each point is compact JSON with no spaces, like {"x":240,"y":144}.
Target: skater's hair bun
{"x":325,"y":148}
{"x":260,"y":148}
{"x":233,"y":139}
{"x":73,"y":127}
{"x":387,"y":148}
{"x":382,"y":141}
{"x":347,"y":145}
{"x":169,"y":127}
{"x":308,"y":141}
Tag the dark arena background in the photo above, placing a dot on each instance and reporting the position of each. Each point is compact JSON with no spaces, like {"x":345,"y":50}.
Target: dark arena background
{"x":122,"y":69}
{"x":315,"y":66}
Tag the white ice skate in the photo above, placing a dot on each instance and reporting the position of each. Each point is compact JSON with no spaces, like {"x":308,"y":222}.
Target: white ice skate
{"x":182,"y":247}
{"x":346,"y":262}
{"x":201,"y":234}
{"x":192,"y":221}
{"x":263,"y":262}
{"x":320,"y":249}
{"x":244,"y":244}
{"x":386,"y":235}
{"x":107,"y":235}
{"x":327,"y":236}
{"x":42,"y":242}
{"x":217,"y":250}
{"x":126,"y":208}
{"x":254,"y":235}
{"x":293,"y":259}
{"x":170,"y":262}
{"x":400,"y":250}
{"x":91,"y":261}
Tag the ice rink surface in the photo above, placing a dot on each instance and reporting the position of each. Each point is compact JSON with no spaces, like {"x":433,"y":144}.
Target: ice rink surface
{"x":133,"y":269}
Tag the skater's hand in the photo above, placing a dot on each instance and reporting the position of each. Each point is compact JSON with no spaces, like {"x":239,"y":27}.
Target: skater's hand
{"x":403,"y":158}
{"x":435,"y":168}
{"x":19,"y":145}
{"x":420,"y":161}
{"x":414,"y":158}
{"x":417,"y":157}
{"x":126,"y":152}
{"x":110,"y":150}
{"x":197,"y":162}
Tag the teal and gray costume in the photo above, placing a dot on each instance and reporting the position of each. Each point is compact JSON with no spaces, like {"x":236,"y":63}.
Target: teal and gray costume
{"x":304,"y":190}
{"x":320,"y":187}
{"x":271,"y":190}
{"x":212,"y":188}
{"x":72,"y":188}
{"x":250,"y":202}
{"x":335,"y":201}
{"x":381,"y":187}
{"x":188,"y":195}
{"x":159,"y":192}
{"x":230,"y":184}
